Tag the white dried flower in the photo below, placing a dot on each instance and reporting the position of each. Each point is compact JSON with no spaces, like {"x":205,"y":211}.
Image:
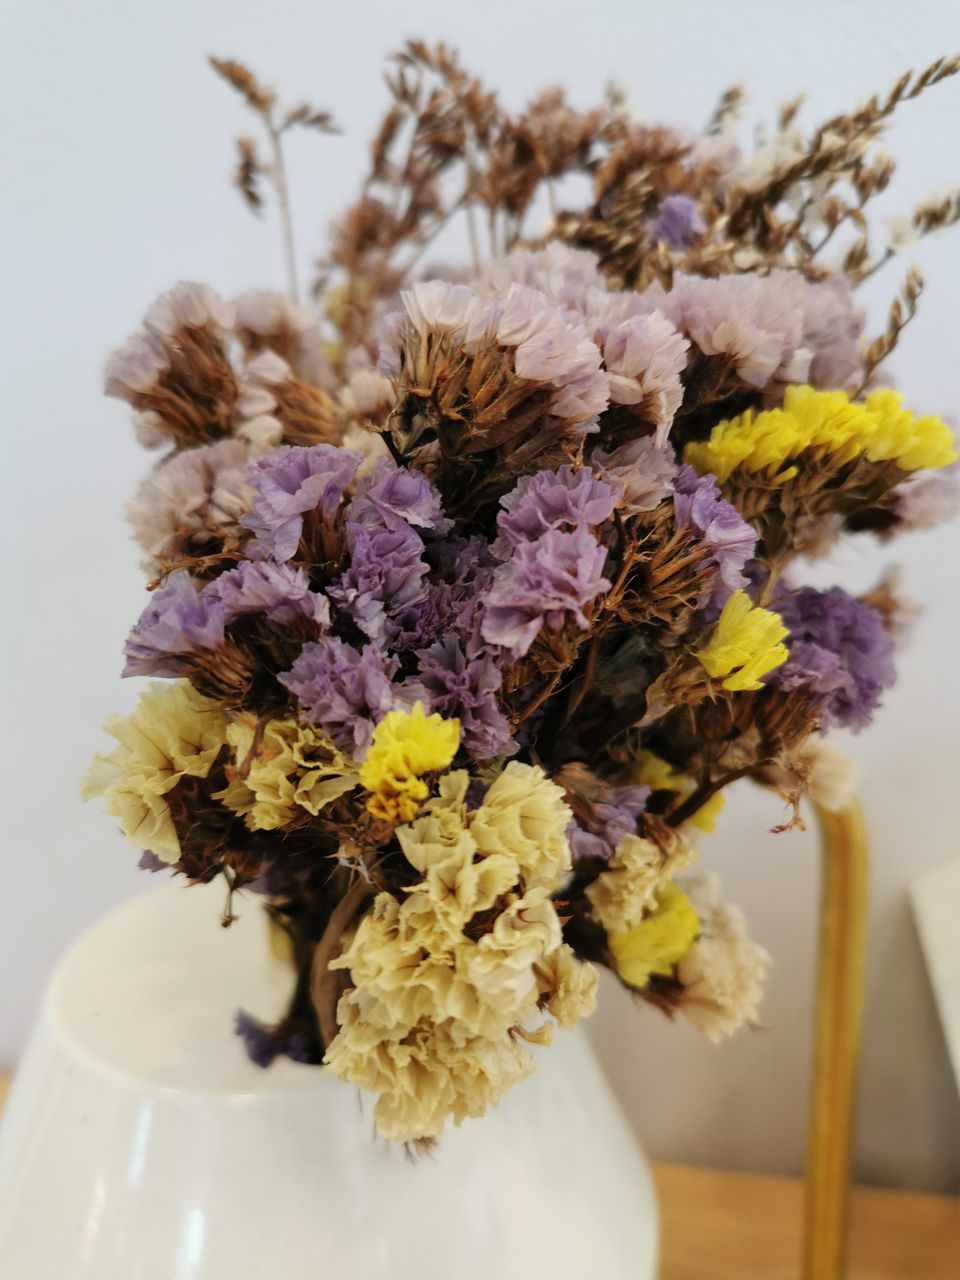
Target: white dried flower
{"x":189,"y":306}
{"x":832,"y":777}
{"x":723,"y":973}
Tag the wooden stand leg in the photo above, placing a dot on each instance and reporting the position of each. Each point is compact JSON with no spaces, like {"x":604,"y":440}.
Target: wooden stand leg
{"x":837,"y":1020}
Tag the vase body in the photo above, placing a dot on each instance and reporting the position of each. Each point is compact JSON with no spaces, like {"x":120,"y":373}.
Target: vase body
{"x":140,"y":1144}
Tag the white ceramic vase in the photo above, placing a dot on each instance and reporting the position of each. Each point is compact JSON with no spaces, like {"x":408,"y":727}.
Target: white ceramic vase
{"x":140,"y":1144}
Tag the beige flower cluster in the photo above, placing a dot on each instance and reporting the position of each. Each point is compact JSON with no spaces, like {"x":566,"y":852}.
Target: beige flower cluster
{"x":446,"y":983}
{"x":294,"y":766}
{"x":620,"y":895}
{"x":173,"y":733}
{"x":723,"y":973}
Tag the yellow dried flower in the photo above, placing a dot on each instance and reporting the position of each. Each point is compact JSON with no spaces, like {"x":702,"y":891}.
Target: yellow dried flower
{"x":172,"y":734}
{"x":745,"y":644}
{"x":406,"y":745}
{"x":295,"y":767}
{"x":827,"y":422}
{"x":659,"y":941}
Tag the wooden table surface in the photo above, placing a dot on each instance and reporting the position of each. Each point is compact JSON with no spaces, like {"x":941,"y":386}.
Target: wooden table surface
{"x":743,"y":1226}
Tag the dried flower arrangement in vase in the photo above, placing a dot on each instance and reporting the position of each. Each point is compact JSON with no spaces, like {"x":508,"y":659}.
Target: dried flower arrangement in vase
{"x":472,"y":590}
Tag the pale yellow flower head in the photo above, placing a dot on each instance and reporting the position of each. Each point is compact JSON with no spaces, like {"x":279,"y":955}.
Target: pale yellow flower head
{"x":745,"y":644}
{"x":524,"y":816}
{"x":447,"y":982}
{"x":657,"y":942}
{"x":638,"y":870}
{"x":406,"y":745}
{"x":173,"y":733}
{"x":295,"y":767}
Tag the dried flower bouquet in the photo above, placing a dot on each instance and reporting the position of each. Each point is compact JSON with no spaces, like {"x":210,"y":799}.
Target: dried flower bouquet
{"x":473,"y":589}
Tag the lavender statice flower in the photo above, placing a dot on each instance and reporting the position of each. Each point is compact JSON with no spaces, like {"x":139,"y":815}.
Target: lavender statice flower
{"x":553,"y":346}
{"x":563,"y":499}
{"x":678,"y":222}
{"x":611,"y":815}
{"x":757,"y":321}
{"x":840,"y":652}
{"x":723,"y":533}
{"x":279,"y":591}
{"x":290,"y":482}
{"x":454,"y":684}
{"x":640,"y":472}
{"x":178,"y":621}
{"x":344,"y":690}
{"x":563,"y":274}
{"x":543,"y":584}
{"x":927,"y":502}
{"x":395,"y":497}
{"x":644,"y":356}
{"x":385,"y":577}
{"x":832,"y":329}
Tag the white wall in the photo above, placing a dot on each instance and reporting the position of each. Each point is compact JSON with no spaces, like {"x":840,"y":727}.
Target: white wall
{"x":115,"y":149}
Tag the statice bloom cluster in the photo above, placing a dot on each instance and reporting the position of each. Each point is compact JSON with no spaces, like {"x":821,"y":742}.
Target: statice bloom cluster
{"x":474,"y":589}
{"x":840,"y":652}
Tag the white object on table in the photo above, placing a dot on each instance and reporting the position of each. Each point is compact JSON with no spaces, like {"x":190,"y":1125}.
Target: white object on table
{"x":936,"y":906}
{"x":139,"y":1141}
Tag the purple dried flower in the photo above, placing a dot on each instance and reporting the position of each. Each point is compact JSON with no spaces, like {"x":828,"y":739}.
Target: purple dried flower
{"x":839,"y":650}
{"x":612,"y":814}
{"x":544,"y":583}
{"x":453,"y":684}
{"x":723,"y":532}
{"x":384,"y":579}
{"x":290,"y":482}
{"x":563,"y":499}
{"x":177,"y":622}
{"x":678,"y":222}
{"x":280,"y":591}
{"x":265,"y":1044}
{"x":394,"y":497}
{"x":150,"y":862}
{"x":343,"y":690}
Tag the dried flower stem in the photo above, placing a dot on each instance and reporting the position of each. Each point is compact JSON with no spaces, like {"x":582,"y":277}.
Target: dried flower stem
{"x":286,"y":218}
{"x":323,"y":980}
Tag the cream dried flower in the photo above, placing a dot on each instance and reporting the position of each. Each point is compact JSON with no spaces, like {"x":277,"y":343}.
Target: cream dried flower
{"x":294,"y":767}
{"x":436,"y":1006}
{"x":723,"y":973}
{"x":431,"y":1075}
{"x":620,"y":895}
{"x":174,"y":733}
{"x":832,"y":779}
{"x":525,"y":817}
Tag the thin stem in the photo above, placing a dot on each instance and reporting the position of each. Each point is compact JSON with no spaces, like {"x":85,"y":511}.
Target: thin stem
{"x":880,"y":262}
{"x":286,"y":219}
{"x":323,"y":980}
